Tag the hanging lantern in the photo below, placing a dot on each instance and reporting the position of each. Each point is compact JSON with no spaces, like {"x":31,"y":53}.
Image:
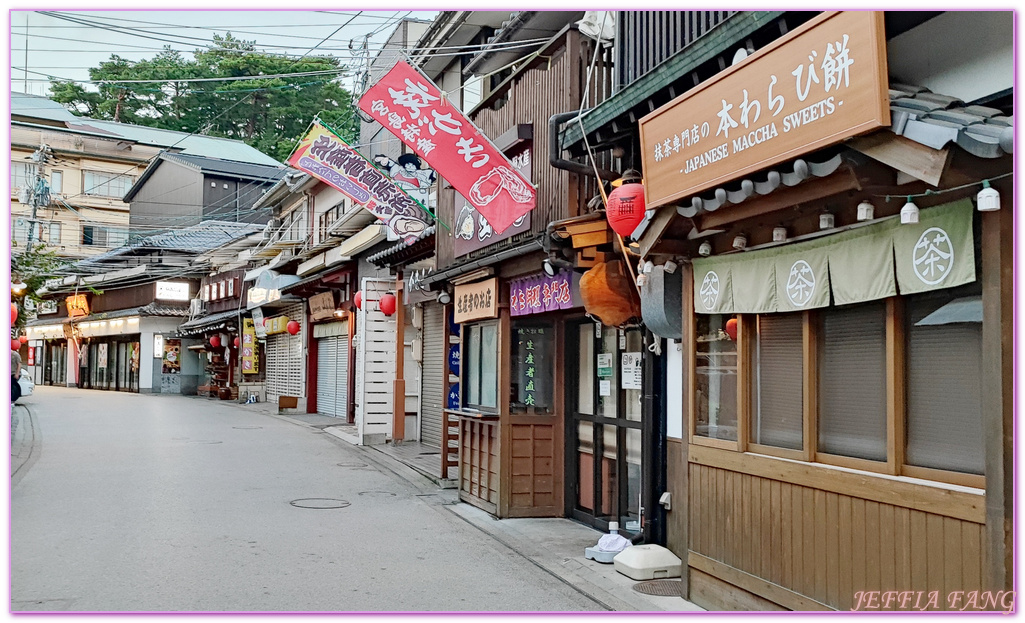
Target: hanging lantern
{"x":265,"y":320}
{"x":608,"y":293}
{"x":358,"y":299}
{"x":15,"y":345}
{"x":387,"y":304}
{"x":292,"y":327}
{"x":731,"y":328}
{"x":14,"y":312}
{"x":215,"y":341}
{"x":626,"y":208}
{"x":237,"y":342}
{"x":23,"y":339}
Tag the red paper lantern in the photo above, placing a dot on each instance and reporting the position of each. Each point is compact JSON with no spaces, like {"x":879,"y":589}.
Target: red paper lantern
{"x":14,"y":312}
{"x":23,"y":338}
{"x":265,"y":321}
{"x":731,"y":328}
{"x":292,"y":327}
{"x":15,"y":345}
{"x":358,"y":299}
{"x":387,"y":304}
{"x":215,"y":341}
{"x":626,"y":208}
{"x":237,"y":342}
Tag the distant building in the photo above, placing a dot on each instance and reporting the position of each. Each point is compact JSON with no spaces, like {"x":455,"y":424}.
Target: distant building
{"x":93,"y":165}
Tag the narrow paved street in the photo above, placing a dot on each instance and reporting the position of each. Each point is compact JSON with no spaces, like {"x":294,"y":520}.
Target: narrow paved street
{"x":125,"y":502}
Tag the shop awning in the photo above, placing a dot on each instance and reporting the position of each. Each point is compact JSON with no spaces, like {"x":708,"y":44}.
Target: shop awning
{"x":207,"y":323}
{"x":855,"y":266}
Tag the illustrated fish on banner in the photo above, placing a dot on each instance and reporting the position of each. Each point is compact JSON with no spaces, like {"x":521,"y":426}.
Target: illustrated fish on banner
{"x":331,"y":160}
{"x":412,"y":108}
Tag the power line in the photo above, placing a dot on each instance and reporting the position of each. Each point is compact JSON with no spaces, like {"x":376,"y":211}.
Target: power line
{"x":189,"y":80}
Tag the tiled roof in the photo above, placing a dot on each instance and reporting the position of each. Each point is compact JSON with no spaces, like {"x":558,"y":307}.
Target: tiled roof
{"x":198,"y":238}
{"x":935,"y":120}
{"x":401,"y":246}
{"x":34,"y":106}
{"x":229,"y":167}
{"x":213,"y":321}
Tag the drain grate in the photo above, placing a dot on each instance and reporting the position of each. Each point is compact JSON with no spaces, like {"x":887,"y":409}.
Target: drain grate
{"x":659,"y":588}
{"x":247,"y":427}
{"x":352,"y":464}
{"x":377,"y":493}
{"x":319,"y":503}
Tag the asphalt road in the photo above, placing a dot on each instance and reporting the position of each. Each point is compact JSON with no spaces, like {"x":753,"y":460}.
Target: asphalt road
{"x":167,"y":503}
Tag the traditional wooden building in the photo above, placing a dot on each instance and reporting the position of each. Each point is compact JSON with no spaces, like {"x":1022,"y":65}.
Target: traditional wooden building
{"x":843,"y":230}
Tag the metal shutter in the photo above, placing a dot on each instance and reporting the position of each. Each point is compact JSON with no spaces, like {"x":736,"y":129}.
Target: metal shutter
{"x":435,"y":360}
{"x":332,"y":375}
{"x":285,"y":361}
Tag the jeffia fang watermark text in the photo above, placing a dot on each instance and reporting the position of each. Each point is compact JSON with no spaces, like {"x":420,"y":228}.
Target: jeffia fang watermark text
{"x":1002,"y":601}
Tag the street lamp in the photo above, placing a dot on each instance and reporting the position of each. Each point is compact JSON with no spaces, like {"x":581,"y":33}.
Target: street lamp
{"x":17,"y":287}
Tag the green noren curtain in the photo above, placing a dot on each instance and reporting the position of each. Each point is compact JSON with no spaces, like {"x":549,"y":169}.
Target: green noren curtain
{"x":938,"y":251}
{"x":855,"y":266}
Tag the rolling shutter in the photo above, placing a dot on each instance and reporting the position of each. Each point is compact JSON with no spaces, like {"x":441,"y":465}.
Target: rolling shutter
{"x":285,"y":360}
{"x":332,"y":368}
{"x":434,"y":361}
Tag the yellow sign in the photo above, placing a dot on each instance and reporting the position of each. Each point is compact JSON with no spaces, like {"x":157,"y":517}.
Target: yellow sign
{"x":821,"y":84}
{"x":474,"y":301}
{"x":77,"y":305}
{"x":250,"y":357}
{"x":277,"y":324}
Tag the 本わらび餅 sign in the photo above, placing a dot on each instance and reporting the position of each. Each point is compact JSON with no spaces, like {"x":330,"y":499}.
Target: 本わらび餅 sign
{"x":821,"y":84}
{"x":412,"y":108}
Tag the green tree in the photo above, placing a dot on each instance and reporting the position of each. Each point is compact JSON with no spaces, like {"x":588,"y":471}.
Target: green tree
{"x":33,"y":267}
{"x":270,"y":114}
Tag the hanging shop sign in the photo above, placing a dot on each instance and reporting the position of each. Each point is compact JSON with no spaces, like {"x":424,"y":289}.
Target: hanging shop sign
{"x":534,"y":373}
{"x":856,"y":266}
{"x":78,"y":305}
{"x":541,"y":293}
{"x":322,"y":306}
{"x":46,"y":307}
{"x":277,"y":324}
{"x":331,"y":160}
{"x":474,"y":301}
{"x":250,"y":358}
{"x":261,"y":328}
{"x":172,"y":291}
{"x":821,"y":84}
{"x":412,"y":108}
{"x":472,"y":231}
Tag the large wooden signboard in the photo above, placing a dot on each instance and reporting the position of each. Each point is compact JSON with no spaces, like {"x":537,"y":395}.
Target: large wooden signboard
{"x":475,"y":301}
{"x":821,"y":84}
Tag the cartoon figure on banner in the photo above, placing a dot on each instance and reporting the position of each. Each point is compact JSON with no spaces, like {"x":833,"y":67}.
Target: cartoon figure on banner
{"x":409,"y":176}
{"x":465,"y":226}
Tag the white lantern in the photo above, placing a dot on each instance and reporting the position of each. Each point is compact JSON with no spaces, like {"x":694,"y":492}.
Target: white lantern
{"x":705,"y":249}
{"x":988,"y":199}
{"x":866,"y":211}
{"x":909,"y":213}
{"x":779,"y":234}
{"x":826,"y":221}
{"x":740,"y":242}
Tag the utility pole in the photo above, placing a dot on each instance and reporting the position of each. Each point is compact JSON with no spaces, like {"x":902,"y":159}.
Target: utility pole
{"x":40,"y":196}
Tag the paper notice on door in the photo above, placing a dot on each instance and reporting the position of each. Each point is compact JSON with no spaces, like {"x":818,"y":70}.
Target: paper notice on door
{"x":604,"y":364}
{"x":604,"y":388}
{"x":632,"y":371}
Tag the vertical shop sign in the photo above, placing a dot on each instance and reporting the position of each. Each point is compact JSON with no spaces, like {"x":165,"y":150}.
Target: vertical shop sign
{"x":412,"y":108}
{"x":101,"y":356}
{"x":172,"y":357}
{"x":250,"y":358}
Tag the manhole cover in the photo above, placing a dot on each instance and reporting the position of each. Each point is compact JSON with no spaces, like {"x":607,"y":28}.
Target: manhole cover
{"x":378,"y":493}
{"x":353,"y":464}
{"x":247,"y":427}
{"x":319,"y":503}
{"x":660,"y":588}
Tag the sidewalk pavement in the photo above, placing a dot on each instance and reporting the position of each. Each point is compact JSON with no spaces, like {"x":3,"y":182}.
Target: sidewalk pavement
{"x":555,"y":545}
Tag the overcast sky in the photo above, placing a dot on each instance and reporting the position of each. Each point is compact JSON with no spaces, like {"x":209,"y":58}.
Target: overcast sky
{"x":65,"y":49}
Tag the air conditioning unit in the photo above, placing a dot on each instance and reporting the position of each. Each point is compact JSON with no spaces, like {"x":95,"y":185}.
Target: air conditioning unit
{"x":195,"y":307}
{"x":24,"y":195}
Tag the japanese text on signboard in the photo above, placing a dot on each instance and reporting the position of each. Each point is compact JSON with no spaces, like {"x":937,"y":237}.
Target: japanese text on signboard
{"x":816,"y":87}
{"x":332,"y":160}
{"x":473,"y":301}
{"x":412,"y":108}
{"x":540,"y":293}
{"x":250,"y":359}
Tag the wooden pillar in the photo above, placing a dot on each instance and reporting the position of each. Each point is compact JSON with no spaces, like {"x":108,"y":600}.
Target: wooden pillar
{"x":504,"y":387}
{"x":399,"y":384}
{"x":998,"y":388}
{"x":681,"y":501}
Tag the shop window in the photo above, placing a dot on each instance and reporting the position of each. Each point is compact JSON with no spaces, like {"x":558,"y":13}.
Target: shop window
{"x":533,"y":374}
{"x":716,"y":373}
{"x":852,"y":382}
{"x":480,"y":362}
{"x":944,"y":382}
{"x":778,"y":376}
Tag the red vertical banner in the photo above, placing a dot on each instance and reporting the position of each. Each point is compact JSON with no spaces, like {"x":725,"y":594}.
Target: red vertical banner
{"x":412,"y":108}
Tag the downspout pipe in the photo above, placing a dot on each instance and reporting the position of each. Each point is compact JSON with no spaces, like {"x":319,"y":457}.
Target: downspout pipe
{"x":555,"y":150}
